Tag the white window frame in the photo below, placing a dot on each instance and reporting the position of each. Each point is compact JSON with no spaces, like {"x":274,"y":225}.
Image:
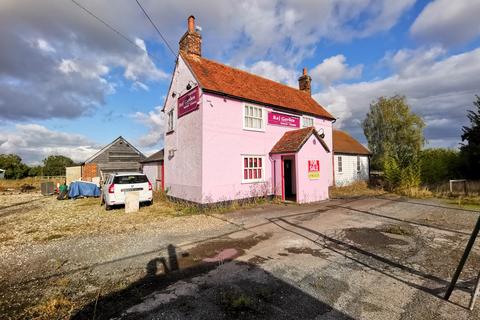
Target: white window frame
{"x":170,"y":121}
{"x":308,"y":118}
{"x":262,"y":129}
{"x":246,"y":156}
{"x":339,"y":164}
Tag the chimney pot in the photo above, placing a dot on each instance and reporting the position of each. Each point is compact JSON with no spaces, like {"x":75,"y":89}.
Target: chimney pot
{"x":191,"y":41}
{"x":191,"y":24}
{"x":305,"y":82}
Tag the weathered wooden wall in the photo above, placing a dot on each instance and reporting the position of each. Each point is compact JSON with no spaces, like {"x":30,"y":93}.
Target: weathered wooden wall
{"x":119,"y":157}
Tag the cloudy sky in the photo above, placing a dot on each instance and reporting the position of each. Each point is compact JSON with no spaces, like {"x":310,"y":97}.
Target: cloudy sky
{"x":68,"y":80}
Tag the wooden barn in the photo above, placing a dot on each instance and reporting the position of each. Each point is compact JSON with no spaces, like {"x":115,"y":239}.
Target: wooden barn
{"x":118,"y":156}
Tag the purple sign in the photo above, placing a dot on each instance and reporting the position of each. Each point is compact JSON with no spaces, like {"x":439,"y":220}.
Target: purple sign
{"x":188,"y":102}
{"x":285,"y":120}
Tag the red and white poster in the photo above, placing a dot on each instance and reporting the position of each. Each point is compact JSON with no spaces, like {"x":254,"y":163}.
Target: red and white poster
{"x":188,"y":102}
{"x":313,"y":169}
{"x":280,"y":119}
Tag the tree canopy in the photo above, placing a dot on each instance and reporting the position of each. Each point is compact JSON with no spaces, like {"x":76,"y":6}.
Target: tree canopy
{"x":13,"y":166}
{"x":470,"y":149}
{"x":392,"y":129}
{"x":55,"y":165}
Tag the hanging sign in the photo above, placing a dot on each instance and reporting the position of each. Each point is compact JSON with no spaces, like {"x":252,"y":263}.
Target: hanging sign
{"x":188,"y":102}
{"x":285,"y":120}
{"x":313,"y":169}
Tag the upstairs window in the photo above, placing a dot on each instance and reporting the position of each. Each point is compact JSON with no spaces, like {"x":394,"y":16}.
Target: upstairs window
{"x":253,"y":169}
{"x":339,"y":164}
{"x":253,"y":118}
{"x":307,"y":122}
{"x":170,"y":121}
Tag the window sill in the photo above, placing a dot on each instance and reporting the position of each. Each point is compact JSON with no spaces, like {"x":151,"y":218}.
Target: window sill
{"x":252,"y":182}
{"x":252,"y":129}
{"x":169,"y":132}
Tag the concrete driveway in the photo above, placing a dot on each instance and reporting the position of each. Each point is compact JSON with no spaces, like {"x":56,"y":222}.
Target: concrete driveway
{"x":371,"y":258}
{"x":343,"y":259}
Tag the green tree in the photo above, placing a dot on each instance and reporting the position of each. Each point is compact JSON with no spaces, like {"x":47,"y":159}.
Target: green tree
{"x":439,"y":164}
{"x":13,"y":166}
{"x":35,"y":171}
{"x":470,"y":149}
{"x":55,"y":165}
{"x":393,"y":130}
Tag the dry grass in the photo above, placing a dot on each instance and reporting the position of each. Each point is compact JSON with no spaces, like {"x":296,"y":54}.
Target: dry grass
{"x":415,"y":192}
{"x":16,"y":184}
{"x":52,"y":308}
{"x":356,"y":189}
{"x":27,"y":218}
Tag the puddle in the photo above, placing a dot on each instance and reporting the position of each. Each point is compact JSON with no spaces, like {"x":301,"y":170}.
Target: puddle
{"x":368,"y":237}
{"x":305,"y":250}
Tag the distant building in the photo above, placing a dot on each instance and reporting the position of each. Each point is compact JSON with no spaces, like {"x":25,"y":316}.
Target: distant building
{"x":118,"y":156}
{"x":351,"y":159}
{"x":152,"y":167}
{"x":2,"y":174}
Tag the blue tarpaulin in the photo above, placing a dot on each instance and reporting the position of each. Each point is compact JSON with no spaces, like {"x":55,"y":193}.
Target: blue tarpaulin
{"x":83,"y":189}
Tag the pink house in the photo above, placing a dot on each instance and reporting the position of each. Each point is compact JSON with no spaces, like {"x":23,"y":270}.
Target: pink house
{"x":234,"y":135}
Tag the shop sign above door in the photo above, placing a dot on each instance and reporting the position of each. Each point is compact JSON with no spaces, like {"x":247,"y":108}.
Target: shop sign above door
{"x":280,"y":119}
{"x":188,"y":102}
{"x":313,"y":169}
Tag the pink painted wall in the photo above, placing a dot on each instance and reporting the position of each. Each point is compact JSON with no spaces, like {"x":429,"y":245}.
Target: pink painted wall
{"x":311,"y":190}
{"x":224,"y":141}
{"x":183,"y":171}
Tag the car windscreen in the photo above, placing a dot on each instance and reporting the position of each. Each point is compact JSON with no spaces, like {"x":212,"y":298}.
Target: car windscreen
{"x":130,"y":179}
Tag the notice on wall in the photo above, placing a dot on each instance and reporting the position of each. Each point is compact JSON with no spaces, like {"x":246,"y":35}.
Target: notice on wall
{"x":188,"y":102}
{"x":280,"y":119}
{"x":313,"y":169}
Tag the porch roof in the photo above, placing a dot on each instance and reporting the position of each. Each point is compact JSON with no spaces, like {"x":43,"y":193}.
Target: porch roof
{"x":293,"y":141}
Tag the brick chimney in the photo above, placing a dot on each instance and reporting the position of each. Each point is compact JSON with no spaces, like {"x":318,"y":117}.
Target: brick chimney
{"x":191,"y":42}
{"x":305,"y":82}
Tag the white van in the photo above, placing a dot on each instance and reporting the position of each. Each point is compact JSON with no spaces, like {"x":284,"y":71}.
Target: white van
{"x":116,"y":185}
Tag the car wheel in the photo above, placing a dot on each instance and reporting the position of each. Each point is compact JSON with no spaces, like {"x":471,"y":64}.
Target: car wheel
{"x":102,"y":202}
{"x":107,"y":207}
{"x":150,"y":202}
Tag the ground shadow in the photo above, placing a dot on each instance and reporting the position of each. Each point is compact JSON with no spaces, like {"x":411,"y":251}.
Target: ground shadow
{"x":218,"y":289}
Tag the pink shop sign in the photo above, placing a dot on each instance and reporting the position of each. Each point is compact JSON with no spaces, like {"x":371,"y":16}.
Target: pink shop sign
{"x":280,"y":119}
{"x":188,"y":102}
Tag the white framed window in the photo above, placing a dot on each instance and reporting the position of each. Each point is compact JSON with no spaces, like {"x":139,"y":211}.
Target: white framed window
{"x":253,"y":118}
{"x":307,"y":121}
{"x":358,"y":164}
{"x":339,"y":164}
{"x":170,"y":121}
{"x":253,"y":168}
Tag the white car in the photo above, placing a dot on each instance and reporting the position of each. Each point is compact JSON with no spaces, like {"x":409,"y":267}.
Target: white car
{"x":118,"y":184}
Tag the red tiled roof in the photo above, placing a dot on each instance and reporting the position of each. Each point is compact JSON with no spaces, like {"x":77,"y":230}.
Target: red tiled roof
{"x":219,"y":78}
{"x":344,"y":143}
{"x":292,"y":141}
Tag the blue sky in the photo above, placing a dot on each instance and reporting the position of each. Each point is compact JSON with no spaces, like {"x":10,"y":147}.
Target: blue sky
{"x":69,"y":85}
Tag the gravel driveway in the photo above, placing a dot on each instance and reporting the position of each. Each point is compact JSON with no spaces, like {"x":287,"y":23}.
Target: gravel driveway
{"x":370,"y":258}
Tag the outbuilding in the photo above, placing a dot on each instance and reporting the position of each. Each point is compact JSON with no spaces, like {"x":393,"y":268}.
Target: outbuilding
{"x":152,"y":167}
{"x":351,"y":159}
{"x":118,"y":156}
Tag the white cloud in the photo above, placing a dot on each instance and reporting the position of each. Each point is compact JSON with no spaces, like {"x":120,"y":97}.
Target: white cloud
{"x":448,"y":22}
{"x":45,"y":46}
{"x":154,"y":121}
{"x":443,"y":88}
{"x":333,"y":69}
{"x":273,"y":71}
{"x":33,"y":142}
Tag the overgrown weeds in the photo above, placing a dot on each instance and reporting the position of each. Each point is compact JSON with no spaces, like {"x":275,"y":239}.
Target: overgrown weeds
{"x":356,"y":189}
